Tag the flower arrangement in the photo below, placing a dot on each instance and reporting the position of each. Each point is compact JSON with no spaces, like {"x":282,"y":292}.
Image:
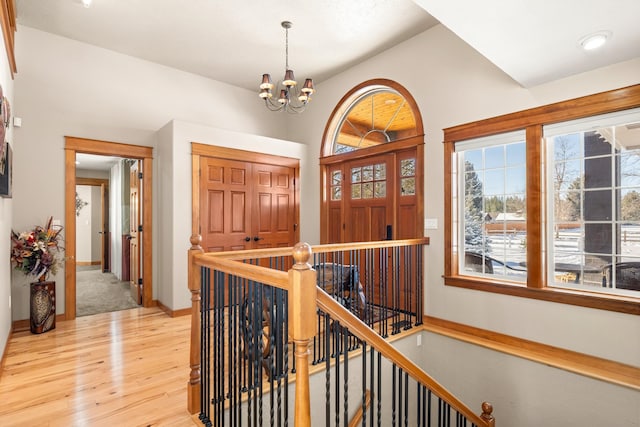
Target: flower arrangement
{"x":37,"y":252}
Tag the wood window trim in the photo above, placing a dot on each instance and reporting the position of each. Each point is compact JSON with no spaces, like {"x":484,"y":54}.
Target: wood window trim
{"x":8,"y":19}
{"x":532,"y":121}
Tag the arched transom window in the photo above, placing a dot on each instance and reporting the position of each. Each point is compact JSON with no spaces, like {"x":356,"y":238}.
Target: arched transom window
{"x":376,"y":115}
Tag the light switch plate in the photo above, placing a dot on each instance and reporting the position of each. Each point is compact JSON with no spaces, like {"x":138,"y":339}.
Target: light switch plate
{"x":431,"y":223}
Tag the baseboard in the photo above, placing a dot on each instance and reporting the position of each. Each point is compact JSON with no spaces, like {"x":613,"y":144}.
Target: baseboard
{"x":173,"y":313}
{"x":24,"y":324}
{"x":572,"y":361}
{"x":83,"y":263}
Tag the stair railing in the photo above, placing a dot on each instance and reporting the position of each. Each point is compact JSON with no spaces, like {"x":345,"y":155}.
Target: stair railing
{"x":304,"y":298}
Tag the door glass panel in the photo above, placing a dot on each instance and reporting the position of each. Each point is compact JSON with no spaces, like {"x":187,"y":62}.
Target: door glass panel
{"x":356,"y":174}
{"x":380,"y":190}
{"x":336,"y":185}
{"x":356,"y":191}
{"x":408,"y":187}
{"x":367,"y":190}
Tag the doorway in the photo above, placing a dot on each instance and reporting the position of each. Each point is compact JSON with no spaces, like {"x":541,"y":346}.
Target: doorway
{"x":244,"y":200}
{"x":142,"y":158}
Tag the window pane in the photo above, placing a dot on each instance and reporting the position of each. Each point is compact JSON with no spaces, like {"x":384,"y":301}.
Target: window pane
{"x":380,"y":172}
{"x":474,"y":157}
{"x":494,"y":181}
{"x":367,"y":190}
{"x":380,"y":190}
{"x":408,"y":187}
{"x":408,"y":167}
{"x":356,"y":174}
{"x":494,"y":208}
{"x":494,"y":157}
{"x":367,"y":173}
{"x":336,"y":193}
{"x":516,"y":154}
{"x":567,"y":175}
{"x":596,"y":208}
{"x":516,"y":181}
{"x":356,"y":191}
{"x":629,"y":163}
{"x":336,"y":178}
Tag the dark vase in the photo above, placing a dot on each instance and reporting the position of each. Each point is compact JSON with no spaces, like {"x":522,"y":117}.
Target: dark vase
{"x":43,"y":306}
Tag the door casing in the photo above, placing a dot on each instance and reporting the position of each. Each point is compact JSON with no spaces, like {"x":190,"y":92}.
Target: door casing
{"x":75,"y":145}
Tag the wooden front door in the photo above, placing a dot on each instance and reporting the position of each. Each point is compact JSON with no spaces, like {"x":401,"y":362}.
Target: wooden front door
{"x":134,"y":239}
{"x":245,"y":205}
{"x":369,"y":199}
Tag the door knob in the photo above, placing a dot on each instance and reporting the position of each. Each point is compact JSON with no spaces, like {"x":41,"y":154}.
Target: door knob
{"x":256,"y":238}
{"x":247,"y":239}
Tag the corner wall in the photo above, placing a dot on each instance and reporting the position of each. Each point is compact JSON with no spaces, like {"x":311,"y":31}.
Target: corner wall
{"x":6,"y":217}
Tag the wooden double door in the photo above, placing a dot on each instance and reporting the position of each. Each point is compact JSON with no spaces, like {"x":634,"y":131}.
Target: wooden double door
{"x":246,"y":205}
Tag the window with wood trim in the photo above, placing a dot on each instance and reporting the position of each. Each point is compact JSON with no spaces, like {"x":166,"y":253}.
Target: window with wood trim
{"x":545,"y":203}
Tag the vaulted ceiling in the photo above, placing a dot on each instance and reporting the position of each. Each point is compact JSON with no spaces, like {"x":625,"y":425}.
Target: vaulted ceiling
{"x":236,"y":41}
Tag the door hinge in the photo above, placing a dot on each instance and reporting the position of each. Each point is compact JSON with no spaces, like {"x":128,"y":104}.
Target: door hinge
{"x":295,"y":227}
{"x":140,"y":227}
{"x":139,"y":175}
{"x":140,"y":281}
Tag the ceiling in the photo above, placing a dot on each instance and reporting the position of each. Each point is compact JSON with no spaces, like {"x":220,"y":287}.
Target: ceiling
{"x":237,"y":41}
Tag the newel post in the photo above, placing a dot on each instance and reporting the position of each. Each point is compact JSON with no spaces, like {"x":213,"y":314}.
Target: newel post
{"x":487,"y":414}
{"x":302,"y":309}
{"x":193,"y":278}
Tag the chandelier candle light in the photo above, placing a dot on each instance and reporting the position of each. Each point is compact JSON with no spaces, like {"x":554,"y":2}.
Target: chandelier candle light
{"x":290,"y":100}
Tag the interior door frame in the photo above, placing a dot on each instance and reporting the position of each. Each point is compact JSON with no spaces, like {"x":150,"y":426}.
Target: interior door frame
{"x":75,"y":145}
{"x":103,"y":184}
{"x":199,"y":150}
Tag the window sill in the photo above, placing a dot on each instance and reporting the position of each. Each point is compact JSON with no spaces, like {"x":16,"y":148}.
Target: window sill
{"x":618,"y":303}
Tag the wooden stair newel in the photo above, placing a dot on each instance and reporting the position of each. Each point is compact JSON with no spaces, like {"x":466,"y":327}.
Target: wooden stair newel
{"x":193,"y":278}
{"x":302,"y":309}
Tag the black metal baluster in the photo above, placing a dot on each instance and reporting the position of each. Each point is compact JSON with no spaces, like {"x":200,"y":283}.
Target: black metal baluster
{"x":419,"y":284}
{"x":204,"y":347}
{"x":406,"y":399}
{"x":364,"y":383}
{"x":393,"y":396}
{"x":327,"y":372}
{"x":379,"y":407}
{"x":336,"y":338}
{"x":285,"y":298}
{"x":345,"y":335}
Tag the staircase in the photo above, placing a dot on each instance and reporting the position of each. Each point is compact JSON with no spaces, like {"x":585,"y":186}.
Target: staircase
{"x":301,"y":334}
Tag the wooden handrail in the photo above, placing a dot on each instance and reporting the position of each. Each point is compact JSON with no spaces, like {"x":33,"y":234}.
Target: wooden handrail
{"x":316,"y":249}
{"x":358,"y":328}
{"x":268,"y":276}
{"x":357,"y":417}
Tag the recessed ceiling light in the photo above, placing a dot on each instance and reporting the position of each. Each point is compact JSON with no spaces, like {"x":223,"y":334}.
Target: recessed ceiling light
{"x":86,"y":3}
{"x":595,"y":40}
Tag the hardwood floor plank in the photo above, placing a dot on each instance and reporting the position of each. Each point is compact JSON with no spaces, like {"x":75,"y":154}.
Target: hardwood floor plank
{"x":127,"y":368}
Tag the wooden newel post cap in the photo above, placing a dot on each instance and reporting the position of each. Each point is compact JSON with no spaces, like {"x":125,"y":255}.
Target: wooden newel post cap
{"x":487,"y":411}
{"x":195,"y":240}
{"x":301,"y":255}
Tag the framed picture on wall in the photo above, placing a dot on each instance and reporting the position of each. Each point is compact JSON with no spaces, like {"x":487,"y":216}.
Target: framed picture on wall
{"x":6,"y":169}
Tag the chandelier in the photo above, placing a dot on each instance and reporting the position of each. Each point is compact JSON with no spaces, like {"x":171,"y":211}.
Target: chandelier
{"x":290,"y":99}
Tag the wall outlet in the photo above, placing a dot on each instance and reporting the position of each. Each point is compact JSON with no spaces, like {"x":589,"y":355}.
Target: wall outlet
{"x":419,"y":340}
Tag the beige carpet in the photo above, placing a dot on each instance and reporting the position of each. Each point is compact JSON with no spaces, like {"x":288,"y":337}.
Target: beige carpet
{"x":98,"y":292}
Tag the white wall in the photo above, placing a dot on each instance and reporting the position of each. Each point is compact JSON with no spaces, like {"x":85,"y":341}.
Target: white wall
{"x":6,"y":217}
{"x":71,"y":88}
{"x":176,"y":199}
{"x":452,"y":85}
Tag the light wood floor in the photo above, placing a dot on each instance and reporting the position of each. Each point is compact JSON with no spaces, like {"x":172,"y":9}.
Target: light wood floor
{"x":126,"y":368}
